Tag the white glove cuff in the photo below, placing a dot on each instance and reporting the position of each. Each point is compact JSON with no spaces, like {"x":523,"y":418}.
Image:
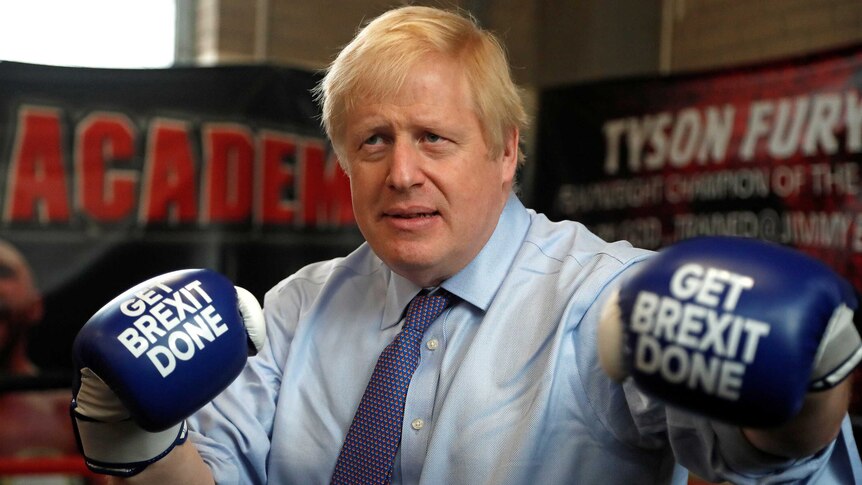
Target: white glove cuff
{"x":124,"y":448}
{"x":124,"y":442}
{"x":839,"y":353}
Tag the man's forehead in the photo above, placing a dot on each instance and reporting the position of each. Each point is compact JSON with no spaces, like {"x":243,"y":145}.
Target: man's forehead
{"x":371,"y":117}
{"x":425,"y":80}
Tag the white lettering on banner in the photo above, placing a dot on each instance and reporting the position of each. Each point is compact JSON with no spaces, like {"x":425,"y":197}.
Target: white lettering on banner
{"x":692,"y":337}
{"x":776,"y":129}
{"x":612,"y":194}
{"x":170,"y":325}
{"x":798,"y":228}
{"x":698,"y":135}
{"x":832,"y":179}
{"x":835,"y":180}
{"x":807,"y":124}
{"x":741,"y":184}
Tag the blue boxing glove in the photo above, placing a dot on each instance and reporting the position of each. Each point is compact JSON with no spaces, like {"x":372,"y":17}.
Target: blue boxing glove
{"x":735,"y":329}
{"x":153,"y":356}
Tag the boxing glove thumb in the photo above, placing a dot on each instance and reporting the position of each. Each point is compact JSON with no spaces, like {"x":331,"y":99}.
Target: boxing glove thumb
{"x":611,"y":339}
{"x":840,"y":350}
{"x":252,"y":319}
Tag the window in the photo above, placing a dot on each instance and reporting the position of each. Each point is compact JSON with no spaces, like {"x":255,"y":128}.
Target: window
{"x":89,"y":33}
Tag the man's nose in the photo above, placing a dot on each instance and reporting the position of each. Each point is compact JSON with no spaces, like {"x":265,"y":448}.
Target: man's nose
{"x":405,"y":170}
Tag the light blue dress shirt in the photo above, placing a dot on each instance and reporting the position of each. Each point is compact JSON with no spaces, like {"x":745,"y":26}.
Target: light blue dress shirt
{"x":508,"y":389}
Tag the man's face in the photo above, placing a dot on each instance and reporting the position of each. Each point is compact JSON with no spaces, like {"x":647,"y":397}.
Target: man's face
{"x":19,"y":303}
{"x":426,"y":192}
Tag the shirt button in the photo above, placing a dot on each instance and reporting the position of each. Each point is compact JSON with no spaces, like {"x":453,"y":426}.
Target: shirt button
{"x":417,"y":424}
{"x":432,"y":344}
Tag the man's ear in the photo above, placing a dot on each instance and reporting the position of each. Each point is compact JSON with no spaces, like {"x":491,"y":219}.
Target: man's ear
{"x":509,"y":156}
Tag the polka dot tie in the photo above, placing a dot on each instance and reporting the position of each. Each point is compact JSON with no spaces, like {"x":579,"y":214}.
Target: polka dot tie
{"x":373,"y":438}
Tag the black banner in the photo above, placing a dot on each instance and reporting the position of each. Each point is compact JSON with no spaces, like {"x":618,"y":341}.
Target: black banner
{"x":109,"y":177}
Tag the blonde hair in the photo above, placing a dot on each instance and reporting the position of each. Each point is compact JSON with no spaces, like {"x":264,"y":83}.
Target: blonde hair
{"x":376,"y":62}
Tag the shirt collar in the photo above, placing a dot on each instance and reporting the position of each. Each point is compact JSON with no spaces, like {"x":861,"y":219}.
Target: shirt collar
{"x":479,"y":281}
{"x":399,"y":292}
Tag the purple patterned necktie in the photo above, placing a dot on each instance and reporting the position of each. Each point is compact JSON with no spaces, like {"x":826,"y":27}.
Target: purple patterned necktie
{"x":373,"y":438}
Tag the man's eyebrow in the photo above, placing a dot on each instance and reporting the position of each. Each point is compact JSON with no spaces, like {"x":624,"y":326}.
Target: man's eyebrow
{"x":371,"y":124}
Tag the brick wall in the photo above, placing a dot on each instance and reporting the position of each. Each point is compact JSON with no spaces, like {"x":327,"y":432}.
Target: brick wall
{"x":308,"y":33}
{"x":715,"y":33}
{"x":549,"y":41}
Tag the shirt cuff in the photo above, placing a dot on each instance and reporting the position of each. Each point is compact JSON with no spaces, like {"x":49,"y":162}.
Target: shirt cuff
{"x":741,"y":456}
{"x":222,"y":468}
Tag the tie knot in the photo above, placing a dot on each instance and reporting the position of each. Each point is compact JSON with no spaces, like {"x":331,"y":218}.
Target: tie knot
{"x":425,"y":308}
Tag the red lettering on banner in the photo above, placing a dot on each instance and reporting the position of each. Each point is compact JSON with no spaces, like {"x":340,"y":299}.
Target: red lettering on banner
{"x":169,"y":179}
{"x":229,"y":160}
{"x":269,"y":178}
{"x":105,"y":193}
{"x":36,"y":182}
{"x":325,"y":189}
{"x":276,"y":179}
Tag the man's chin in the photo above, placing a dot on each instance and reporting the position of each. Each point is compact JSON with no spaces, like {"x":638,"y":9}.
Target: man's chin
{"x":423,"y":272}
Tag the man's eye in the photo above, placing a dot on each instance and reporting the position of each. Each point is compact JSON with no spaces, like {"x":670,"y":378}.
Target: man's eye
{"x":431,"y":137}
{"x":374,"y":140}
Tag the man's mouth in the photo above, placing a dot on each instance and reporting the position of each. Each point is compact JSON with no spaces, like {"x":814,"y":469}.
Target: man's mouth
{"x":416,"y":215}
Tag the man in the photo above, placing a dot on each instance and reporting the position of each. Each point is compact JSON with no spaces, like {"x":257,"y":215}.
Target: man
{"x":20,"y":309}
{"x":35,"y":422}
{"x":422,"y":112}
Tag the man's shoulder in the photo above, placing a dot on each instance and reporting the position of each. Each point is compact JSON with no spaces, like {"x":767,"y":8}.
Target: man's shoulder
{"x":571,"y":241}
{"x":361,"y":263}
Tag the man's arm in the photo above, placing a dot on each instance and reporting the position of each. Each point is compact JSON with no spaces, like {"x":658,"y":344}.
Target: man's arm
{"x":182,"y":466}
{"x":816,"y":425}
{"x":743,"y":332}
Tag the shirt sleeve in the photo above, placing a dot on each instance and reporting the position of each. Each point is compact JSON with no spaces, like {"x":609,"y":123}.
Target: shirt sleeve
{"x":718,"y":451}
{"x":232,"y":433}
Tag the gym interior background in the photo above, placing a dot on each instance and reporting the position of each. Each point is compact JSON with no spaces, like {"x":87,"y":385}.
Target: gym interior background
{"x":550,"y":42}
